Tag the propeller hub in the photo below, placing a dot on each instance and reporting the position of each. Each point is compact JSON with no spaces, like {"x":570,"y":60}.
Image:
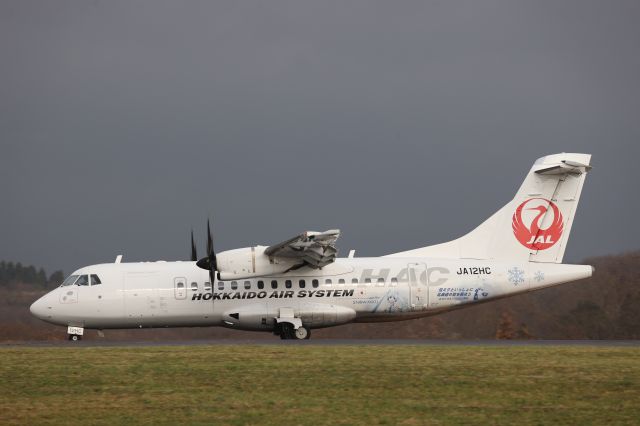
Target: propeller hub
{"x":204,"y":263}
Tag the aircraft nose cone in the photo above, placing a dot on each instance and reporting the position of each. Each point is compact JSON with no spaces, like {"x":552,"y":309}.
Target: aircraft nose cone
{"x":38,"y":309}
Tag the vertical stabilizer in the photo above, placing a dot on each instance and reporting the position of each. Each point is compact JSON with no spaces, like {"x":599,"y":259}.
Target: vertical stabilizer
{"x":534,"y":226}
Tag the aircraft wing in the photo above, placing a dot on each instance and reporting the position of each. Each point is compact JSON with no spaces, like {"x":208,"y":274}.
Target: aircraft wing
{"x":314,"y":249}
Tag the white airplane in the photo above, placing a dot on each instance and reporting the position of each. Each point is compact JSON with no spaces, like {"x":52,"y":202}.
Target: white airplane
{"x":295,"y":286}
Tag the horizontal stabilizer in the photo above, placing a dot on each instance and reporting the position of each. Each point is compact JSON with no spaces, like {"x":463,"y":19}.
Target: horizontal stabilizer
{"x":565,"y":167}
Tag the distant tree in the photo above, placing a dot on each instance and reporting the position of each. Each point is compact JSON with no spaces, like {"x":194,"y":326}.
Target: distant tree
{"x":11,"y":272}
{"x":506,"y":329}
{"x":523,"y":332}
{"x":41,"y":277}
{"x":591,"y":320}
{"x":435,"y":328}
{"x":17,"y":272}
{"x":629,"y":319}
{"x":56,"y":279}
{"x":29,"y":275}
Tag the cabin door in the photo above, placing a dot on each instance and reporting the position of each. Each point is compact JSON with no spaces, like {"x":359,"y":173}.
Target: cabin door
{"x":418,"y":290}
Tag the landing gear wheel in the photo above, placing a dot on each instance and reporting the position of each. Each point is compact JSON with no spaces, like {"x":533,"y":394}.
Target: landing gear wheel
{"x":302,"y":333}
{"x":74,"y":337}
{"x":287,"y":331}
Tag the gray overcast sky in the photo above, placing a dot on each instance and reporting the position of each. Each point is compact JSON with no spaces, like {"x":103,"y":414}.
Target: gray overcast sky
{"x":123,"y":124}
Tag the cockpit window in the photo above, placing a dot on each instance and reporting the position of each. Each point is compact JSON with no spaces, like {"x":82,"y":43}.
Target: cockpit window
{"x":83,"y":280}
{"x":95,"y":280}
{"x":70,"y":280}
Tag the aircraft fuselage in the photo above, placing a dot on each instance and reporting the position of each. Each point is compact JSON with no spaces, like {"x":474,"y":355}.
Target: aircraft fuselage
{"x":176,"y":294}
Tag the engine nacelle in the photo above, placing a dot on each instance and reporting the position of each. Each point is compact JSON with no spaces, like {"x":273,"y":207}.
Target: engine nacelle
{"x":250,"y":262}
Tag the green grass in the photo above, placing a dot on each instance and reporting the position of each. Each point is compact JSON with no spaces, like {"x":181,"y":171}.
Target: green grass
{"x":292,"y":384}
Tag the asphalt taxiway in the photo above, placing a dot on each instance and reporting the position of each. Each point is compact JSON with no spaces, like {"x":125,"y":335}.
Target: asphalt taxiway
{"x":323,"y":342}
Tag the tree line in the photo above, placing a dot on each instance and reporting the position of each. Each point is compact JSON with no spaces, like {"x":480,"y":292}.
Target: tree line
{"x":16,"y":273}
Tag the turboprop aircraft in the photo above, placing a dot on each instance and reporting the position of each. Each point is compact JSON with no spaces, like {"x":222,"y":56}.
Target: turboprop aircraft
{"x":300,"y":284}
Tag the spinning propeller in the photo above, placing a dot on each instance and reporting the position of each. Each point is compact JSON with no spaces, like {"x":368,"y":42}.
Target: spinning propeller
{"x":209,"y":262}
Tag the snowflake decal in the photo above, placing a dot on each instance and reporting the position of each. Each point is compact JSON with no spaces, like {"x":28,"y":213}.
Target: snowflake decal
{"x":539,"y":276}
{"x":516,"y":275}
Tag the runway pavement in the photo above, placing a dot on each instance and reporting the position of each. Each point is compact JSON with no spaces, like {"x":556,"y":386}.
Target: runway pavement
{"x":323,"y":342}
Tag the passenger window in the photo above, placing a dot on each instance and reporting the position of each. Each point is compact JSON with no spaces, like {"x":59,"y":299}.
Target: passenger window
{"x":315,"y":283}
{"x":194,"y":286}
{"x":394,"y":282}
{"x":220,"y":285}
{"x":302,"y":283}
{"x":354,"y":281}
{"x":367,"y":280}
{"x":380,"y":282}
{"x":207,"y":286}
{"x":260,"y":285}
{"x":180,"y":284}
{"x":327,"y":282}
{"x":83,"y":280}
{"x":247,"y":285}
{"x":287,"y":283}
{"x":234,"y":285}
{"x":341,"y":281}
{"x":95,"y":280}
{"x":274,"y":284}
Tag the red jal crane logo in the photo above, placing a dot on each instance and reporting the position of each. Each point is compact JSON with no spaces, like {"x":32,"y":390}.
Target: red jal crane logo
{"x":534,"y":237}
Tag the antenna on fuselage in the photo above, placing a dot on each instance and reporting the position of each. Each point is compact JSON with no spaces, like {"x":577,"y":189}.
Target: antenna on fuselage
{"x":118,"y":259}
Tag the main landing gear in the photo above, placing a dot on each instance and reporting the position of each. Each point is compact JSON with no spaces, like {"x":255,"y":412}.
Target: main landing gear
{"x":289,"y":327}
{"x":286,"y":332}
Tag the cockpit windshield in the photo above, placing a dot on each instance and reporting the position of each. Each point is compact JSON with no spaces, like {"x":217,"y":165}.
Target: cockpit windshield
{"x":82,"y":280}
{"x":70,"y":280}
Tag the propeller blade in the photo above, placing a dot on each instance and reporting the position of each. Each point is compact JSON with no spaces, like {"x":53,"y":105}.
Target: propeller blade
{"x":210,"y":262}
{"x":194,"y":252}
{"x":209,"y":240}
{"x":213,"y":261}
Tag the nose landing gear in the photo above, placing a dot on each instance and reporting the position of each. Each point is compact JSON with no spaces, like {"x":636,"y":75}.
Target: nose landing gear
{"x":75,"y":333}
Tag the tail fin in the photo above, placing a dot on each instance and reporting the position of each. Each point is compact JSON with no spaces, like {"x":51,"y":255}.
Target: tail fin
{"x":534,"y":226}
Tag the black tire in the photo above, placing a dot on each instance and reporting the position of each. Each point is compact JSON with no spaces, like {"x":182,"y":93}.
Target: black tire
{"x":287,"y":331}
{"x":74,"y":337}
